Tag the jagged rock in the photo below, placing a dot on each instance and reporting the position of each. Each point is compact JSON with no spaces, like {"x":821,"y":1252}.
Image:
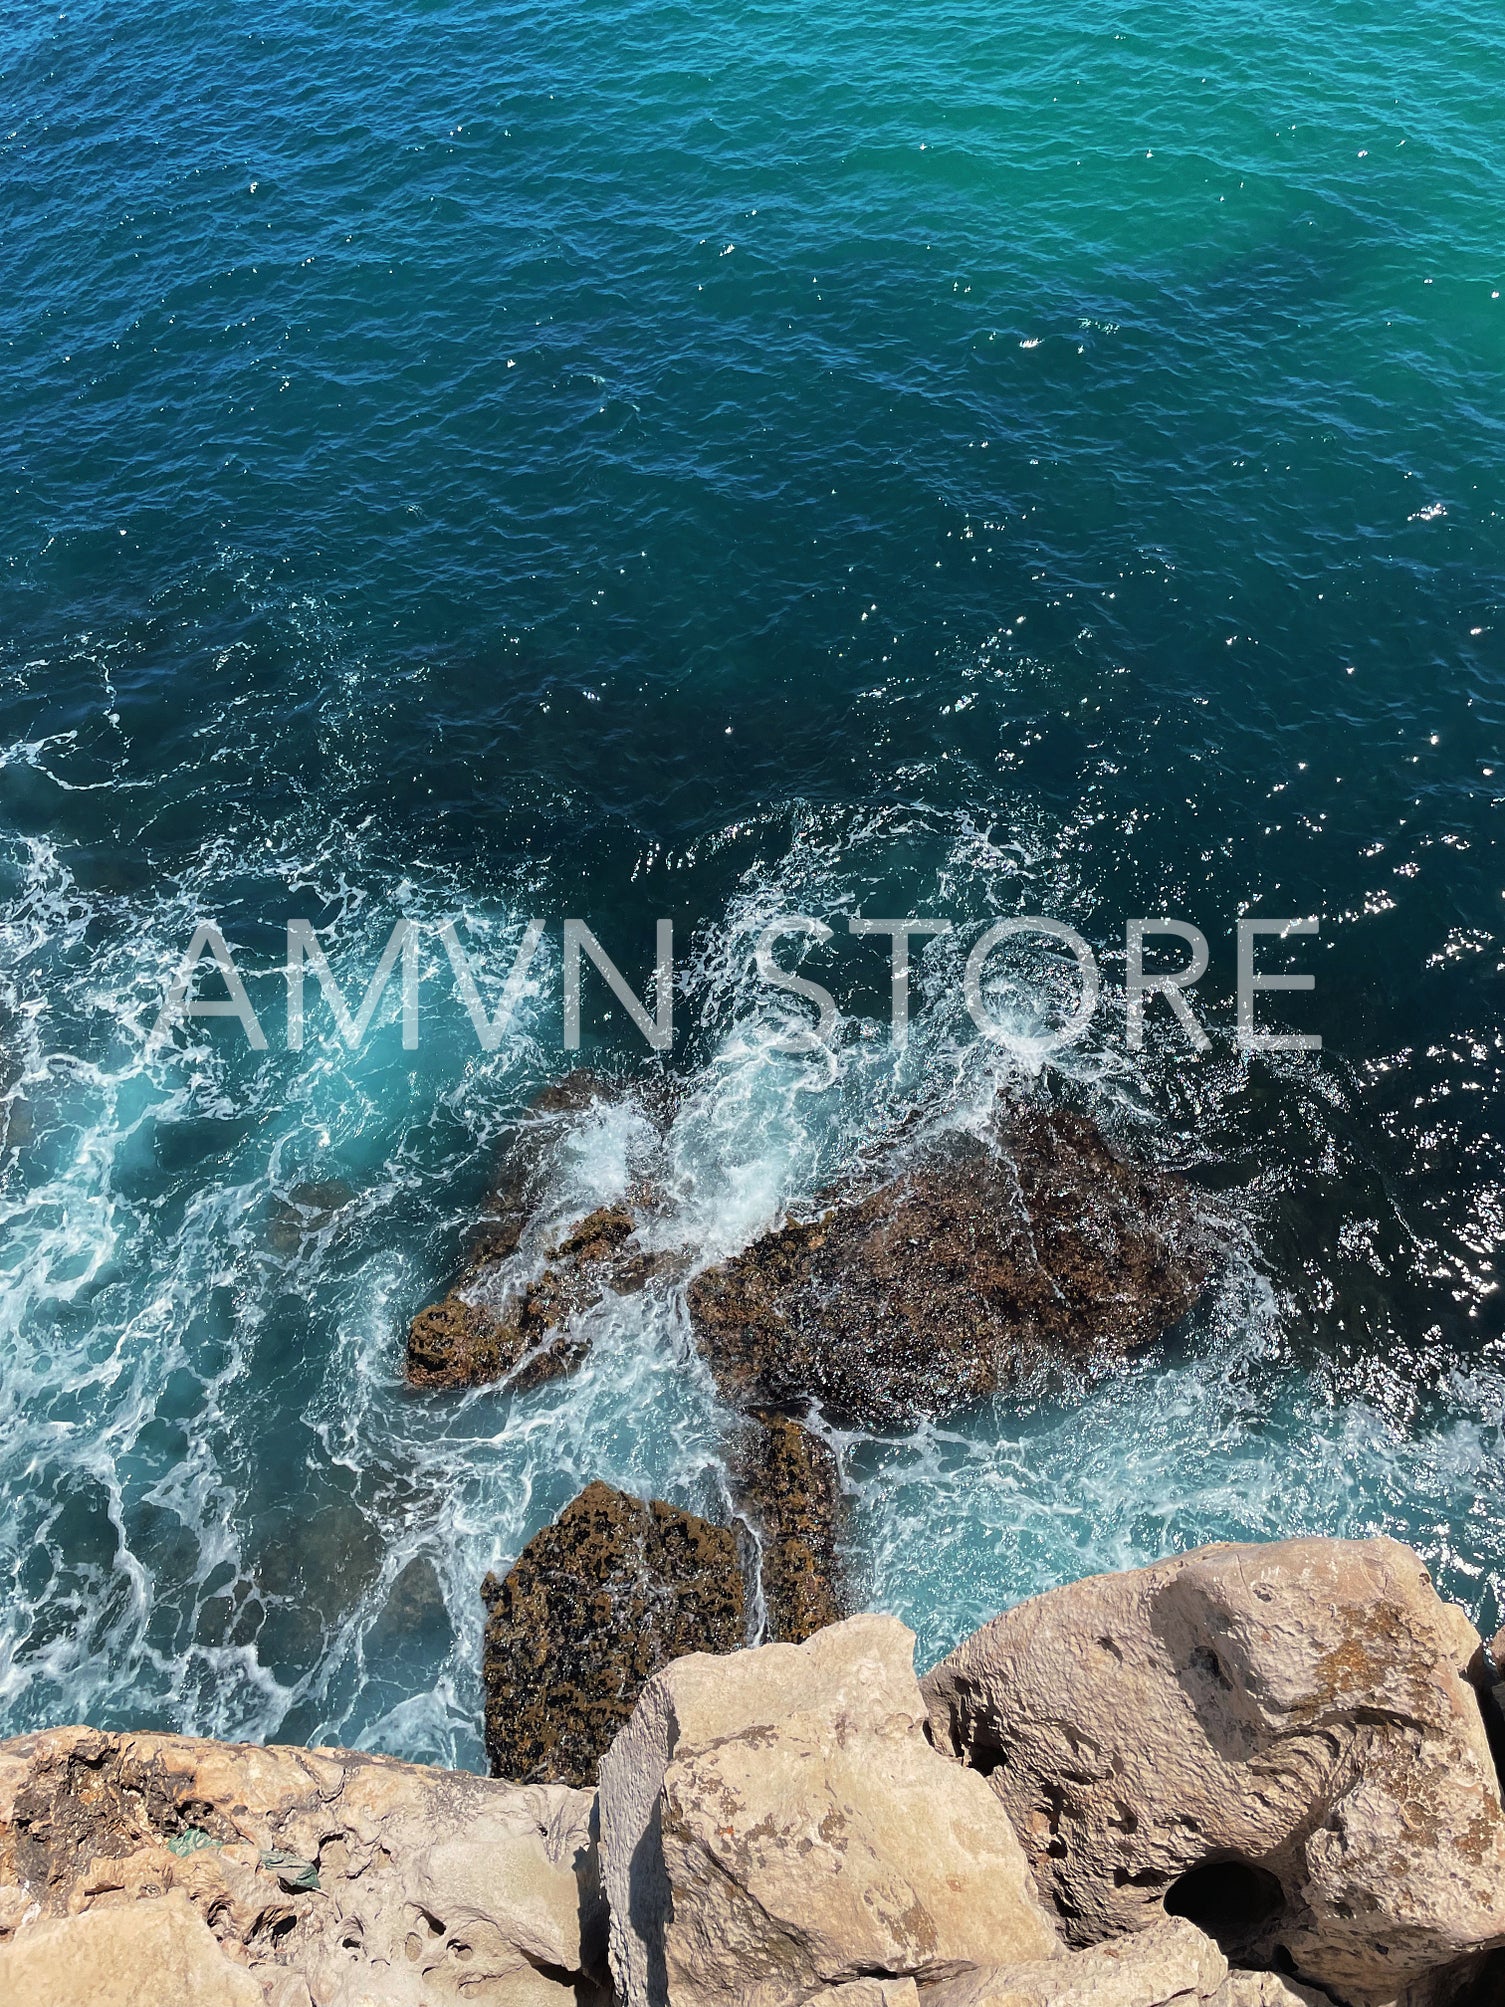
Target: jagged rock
{"x":149,"y":1954}
{"x":974,"y":1266}
{"x":786,"y":1482}
{"x":513,"y":1314}
{"x":1277,"y":1741}
{"x":331,"y":1877}
{"x":469,"y":1337}
{"x":591,"y":1609}
{"x":775,"y":1823}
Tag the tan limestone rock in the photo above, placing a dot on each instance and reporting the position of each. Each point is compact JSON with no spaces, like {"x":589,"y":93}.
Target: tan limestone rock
{"x":1168,"y":1964}
{"x":1265,"y":1989}
{"x":1278,"y":1741}
{"x":1171,"y":1964}
{"x":775,"y":1823}
{"x":355,"y":1877}
{"x":149,"y":1954}
{"x":868,"y":1993}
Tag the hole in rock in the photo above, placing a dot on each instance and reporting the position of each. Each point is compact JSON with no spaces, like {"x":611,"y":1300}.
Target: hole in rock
{"x":1230,"y":1900}
{"x":1206,"y":1661}
{"x":986,"y":1752}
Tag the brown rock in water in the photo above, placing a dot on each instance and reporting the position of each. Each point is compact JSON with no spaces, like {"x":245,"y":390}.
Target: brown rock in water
{"x":466,"y":1340}
{"x":1280,"y":1742}
{"x":974,"y":1266}
{"x":508,"y":1318}
{"x":589,"y":1611}
{"x":322,"y":1875}
{"x":786,"y":1481}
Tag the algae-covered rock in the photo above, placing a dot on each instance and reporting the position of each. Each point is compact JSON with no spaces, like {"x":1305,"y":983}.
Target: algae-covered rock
{"x":482,"y":1332}
{"x":515,"y":1313}
{"x":785,"y":1480}
{"x":590,"y":1610}
{"x":982,"y":1260}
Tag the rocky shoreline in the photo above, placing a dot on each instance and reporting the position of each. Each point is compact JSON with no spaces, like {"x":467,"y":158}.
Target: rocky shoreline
{"x":1249,"y":1776}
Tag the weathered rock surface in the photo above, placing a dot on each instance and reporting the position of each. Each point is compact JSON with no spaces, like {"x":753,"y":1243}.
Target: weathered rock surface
{"x":776,"y":1822}
{"x":966,"y":1272}
{"x":591,"y":1609}
{"x":1169,"y":1964}
{"x":1269,"y":1989}
{"x":148,"y":1954}
{"x":786,"y":1482}
{"x":1277,"y":1741}
{"x":325,"y":1876}
{"x":868,"y":1993}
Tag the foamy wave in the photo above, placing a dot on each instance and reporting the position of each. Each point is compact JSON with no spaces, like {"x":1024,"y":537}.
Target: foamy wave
{"x":224,"y":1513}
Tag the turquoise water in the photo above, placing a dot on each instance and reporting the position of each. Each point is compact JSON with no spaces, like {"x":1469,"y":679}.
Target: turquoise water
{"x":627,"y":461}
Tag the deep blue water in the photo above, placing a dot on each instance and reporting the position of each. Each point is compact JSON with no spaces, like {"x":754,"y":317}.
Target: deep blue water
{"x":629,"y":460}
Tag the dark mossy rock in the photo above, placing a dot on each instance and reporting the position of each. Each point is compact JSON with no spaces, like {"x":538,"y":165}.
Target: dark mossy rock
{"x":589,"y":1611}
{"x":980,"y":1262}
{"x":786,"y":1482}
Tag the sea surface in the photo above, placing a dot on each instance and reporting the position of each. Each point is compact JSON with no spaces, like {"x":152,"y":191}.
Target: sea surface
{"x":628,"y":461}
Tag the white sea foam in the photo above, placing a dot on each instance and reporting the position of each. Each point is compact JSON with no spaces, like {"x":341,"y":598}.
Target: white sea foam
{"x":224,"y":1513}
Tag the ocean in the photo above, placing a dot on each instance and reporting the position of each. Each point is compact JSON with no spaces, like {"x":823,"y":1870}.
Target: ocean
{"x":629,"y":461}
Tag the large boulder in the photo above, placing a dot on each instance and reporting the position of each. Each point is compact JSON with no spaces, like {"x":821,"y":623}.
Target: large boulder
{"x":1280,"y":1742}
{"x":786,"y":1483}
{"x":330,"y":1877}
{"x":590,"y":1610}
{"x":977,"y":1264}
{"x":776,"y":1823}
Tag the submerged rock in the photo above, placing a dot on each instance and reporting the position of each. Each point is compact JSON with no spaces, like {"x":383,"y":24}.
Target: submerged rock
{"x":325,"y":1878}
{"x":304,"y":1213}
{"x":590,"y":1610}
{"x":786,"y":1482}
{"x":776,"y":1823}
{"x":467,"y":1339}
{"x":970,"y":1269}
{"x":513,"y":1314}
{"x":1279,"y":1742}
